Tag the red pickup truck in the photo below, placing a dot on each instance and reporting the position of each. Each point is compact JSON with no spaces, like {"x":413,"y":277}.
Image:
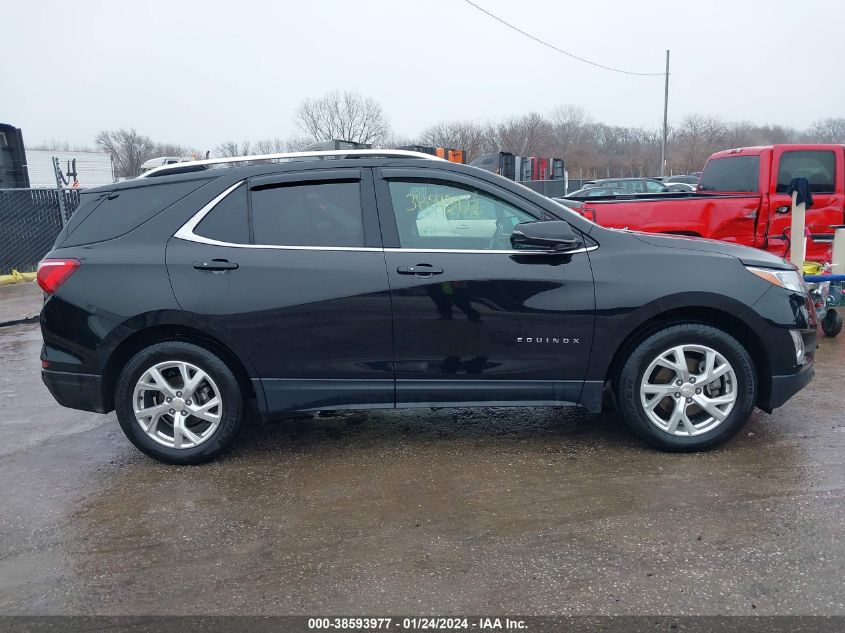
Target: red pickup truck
{"x":741,"y":198}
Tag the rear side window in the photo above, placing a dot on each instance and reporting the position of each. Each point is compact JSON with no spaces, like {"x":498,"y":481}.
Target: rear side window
{"x":126,"y":209}
{"x":313,"y":214}
{"x":227,"y":221}
{"x":818,"y":167}
{"x":738,"y":174}
{"x":88,"y":201}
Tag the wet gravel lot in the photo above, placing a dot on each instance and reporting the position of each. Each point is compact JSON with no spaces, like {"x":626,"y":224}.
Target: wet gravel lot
{"x":532,"y":511}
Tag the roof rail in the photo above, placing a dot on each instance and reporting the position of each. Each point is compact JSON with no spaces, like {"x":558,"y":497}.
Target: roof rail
{"x":386,"y":153}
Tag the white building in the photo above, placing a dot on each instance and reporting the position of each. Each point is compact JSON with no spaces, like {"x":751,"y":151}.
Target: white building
{"x":92,"y":168}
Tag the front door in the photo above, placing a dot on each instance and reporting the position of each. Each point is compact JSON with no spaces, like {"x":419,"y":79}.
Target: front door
{"x":290,"y":269}
{"x":822,"y":167}
{"x":474,"y":320}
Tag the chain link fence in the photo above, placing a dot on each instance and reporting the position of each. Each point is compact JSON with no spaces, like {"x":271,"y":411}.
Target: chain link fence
{"x":30,"y":220}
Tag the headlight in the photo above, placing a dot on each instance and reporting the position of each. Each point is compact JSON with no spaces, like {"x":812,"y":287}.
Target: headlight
{"x":789,"y":279}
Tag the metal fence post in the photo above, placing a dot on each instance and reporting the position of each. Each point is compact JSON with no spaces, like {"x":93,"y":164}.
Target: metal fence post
{"x":59,"y":190}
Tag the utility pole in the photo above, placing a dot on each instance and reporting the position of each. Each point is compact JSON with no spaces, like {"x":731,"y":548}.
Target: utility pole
{"x":665,"y":120}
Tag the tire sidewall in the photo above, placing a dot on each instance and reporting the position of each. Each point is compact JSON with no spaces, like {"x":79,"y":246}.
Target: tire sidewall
{"x":832,"y":323}
{"x":231,"y":413}
{"x":687,"y":334}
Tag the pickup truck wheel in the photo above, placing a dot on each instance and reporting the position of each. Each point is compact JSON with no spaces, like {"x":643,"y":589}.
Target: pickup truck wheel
{"x":179,"y":403}
{"x":688,"y":387}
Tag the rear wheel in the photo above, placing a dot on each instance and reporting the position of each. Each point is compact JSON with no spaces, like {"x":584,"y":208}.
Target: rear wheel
{"x":179,"y":403}
{"x":688,"y":387}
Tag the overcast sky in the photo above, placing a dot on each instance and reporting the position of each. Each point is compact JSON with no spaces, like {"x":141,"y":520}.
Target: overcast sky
{"x":199,"y":73}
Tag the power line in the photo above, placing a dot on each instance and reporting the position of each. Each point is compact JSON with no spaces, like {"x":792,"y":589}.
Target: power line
{"x":560,"y":50}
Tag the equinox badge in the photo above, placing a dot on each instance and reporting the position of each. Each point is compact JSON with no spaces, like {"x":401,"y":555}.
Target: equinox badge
{"x":546,"y":339}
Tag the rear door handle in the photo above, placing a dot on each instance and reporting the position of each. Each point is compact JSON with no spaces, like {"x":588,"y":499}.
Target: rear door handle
{"x":215,"y":264}
{"x":420,"y":270}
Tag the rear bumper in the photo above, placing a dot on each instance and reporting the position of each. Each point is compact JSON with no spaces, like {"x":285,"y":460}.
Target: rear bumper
{"x":76,"y":391}
{"x":784,"y":387}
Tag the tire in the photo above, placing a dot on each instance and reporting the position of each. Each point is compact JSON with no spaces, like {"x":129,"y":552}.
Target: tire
{"x":695,"y":428}
{"x":832,"y":323}
{"x":148,"y":418}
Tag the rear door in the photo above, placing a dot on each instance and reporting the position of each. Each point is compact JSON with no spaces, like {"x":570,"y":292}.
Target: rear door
{"x":474,"y":320}
{"x":290,"y":268}
{"x":822,"y":166}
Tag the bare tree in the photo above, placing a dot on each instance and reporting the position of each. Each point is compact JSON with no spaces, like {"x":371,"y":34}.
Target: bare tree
{"x":128,"y":150}
{"x":392,"y":141}
{"x":527,"y":135}
{"x":232,"y":149}
{"x":474,"y":138}
{"x":171,"y":149}
{"x":348,"y":116}
{"x":697,"y":138}
{"x":59,"y":146}
{"x":828,"y":130}
{"x":280,"y":145}
{"x":568,"y":127}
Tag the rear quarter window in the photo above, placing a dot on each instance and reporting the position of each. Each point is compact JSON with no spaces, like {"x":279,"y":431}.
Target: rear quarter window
{"x":88,"y":201}
{"x":739,"y":174}
{"x":228,"y":221}
{"x":123,"y":210}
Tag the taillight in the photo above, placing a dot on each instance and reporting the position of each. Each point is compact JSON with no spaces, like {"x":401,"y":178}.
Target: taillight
{"x":52,"y":273}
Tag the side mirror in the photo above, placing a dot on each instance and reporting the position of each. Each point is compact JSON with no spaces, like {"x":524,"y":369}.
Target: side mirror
{"x":554,"y":236}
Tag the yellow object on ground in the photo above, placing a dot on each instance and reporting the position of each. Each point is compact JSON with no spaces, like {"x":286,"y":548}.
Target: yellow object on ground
{"x":16,"y":278}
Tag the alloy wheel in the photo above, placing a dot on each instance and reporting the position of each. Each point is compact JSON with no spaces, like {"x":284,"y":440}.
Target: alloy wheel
{"x":688,"y":390}
{"x":177,"y":404}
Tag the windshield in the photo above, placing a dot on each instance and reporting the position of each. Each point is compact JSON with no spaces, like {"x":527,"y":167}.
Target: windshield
{"x":731,"y":173}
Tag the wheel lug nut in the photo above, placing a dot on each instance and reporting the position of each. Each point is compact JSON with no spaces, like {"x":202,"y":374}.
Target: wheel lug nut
{"x":170,"y":399}
{"x":178,"y":394}
{"x":692,"y":379}
{"x":679,"y":382}
{"x":173,"y":411}
{"x":698,"y":391}
{"x":184,"y":412}
{"x":677,"y":395}
{"x":187,"y":402}
{"x":689,"y":400}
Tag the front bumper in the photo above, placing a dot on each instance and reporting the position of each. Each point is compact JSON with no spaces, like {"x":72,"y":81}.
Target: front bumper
{"x":76,"y":391}
{"x":782,"y":388}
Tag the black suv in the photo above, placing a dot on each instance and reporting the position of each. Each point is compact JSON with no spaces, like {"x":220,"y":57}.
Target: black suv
{"x":384,"y":280}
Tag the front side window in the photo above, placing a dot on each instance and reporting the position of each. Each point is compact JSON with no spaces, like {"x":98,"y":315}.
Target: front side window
{"x":437,"y":215}
{"x":818,"y":167}
{"x":654,"y":187}
{"x":312,"y":214}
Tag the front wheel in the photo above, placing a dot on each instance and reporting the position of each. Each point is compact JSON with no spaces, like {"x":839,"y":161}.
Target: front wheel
{"x":688,"y":387}
{"x":179,"y":403}
{"x":832,"y":323}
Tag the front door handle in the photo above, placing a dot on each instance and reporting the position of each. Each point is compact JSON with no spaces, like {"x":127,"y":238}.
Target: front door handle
{"x":215,"y":264}
{"x":420,"y":270}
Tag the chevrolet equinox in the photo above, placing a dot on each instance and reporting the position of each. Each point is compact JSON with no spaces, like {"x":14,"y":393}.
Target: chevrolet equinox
{"x":383,"y":279}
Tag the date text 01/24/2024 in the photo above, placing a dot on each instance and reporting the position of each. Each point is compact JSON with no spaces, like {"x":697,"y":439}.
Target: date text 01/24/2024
{"x":416,"y":623}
